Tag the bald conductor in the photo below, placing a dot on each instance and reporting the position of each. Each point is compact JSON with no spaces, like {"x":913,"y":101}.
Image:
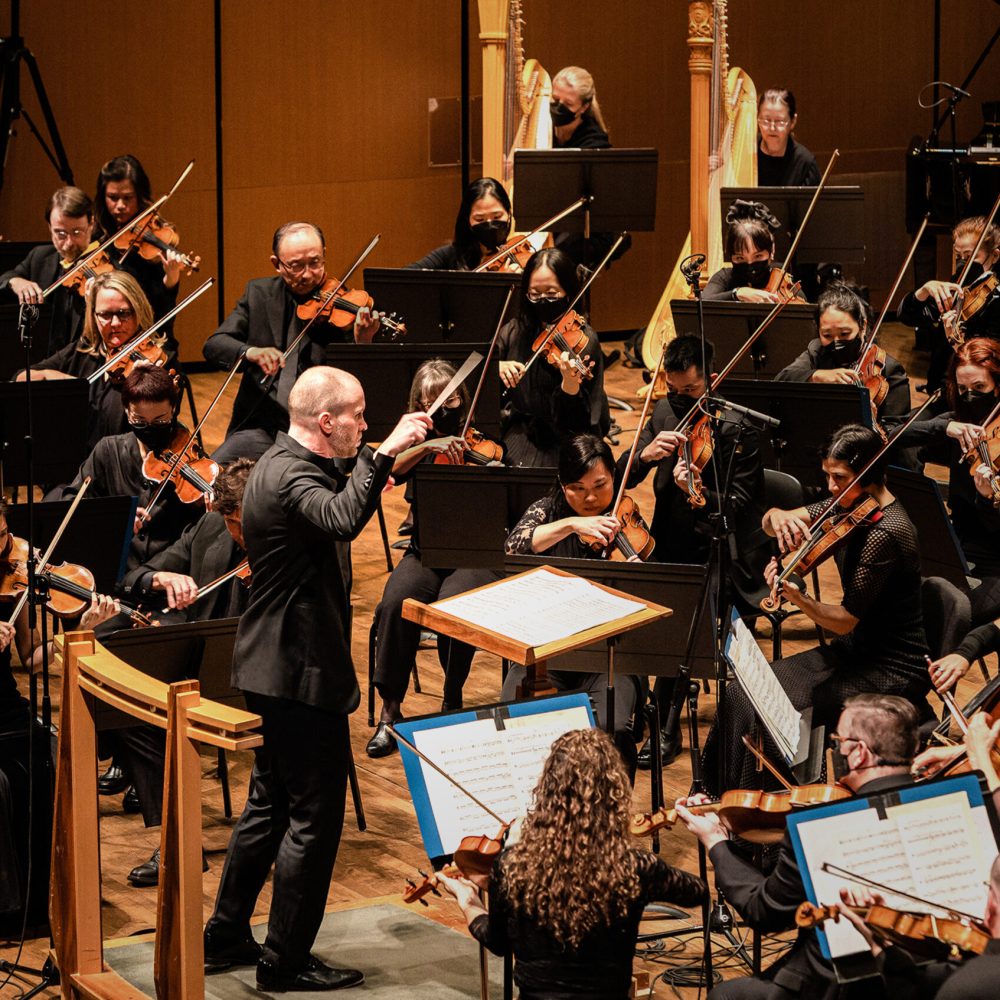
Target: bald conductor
{"x":293,"y":663}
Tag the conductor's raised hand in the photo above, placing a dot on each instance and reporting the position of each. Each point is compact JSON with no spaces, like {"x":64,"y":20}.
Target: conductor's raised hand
{"x":411,"y":429}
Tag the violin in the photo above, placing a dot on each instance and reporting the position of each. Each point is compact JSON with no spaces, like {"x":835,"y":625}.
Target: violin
{"x":333,"y":303}
{"x":511,"y":256}
{"x":954,"y":321}
{"x":976,"y":297}
{"x":564,"y":337}
{"x":144,"y":352}
{"x":152,"y":237}
{"x":779,"y":282}
{"x":415,"y":891}
{"x":922,"y":933}
{"x":98,"y":263}
{"x":987,"y":452}
{"x":183,"y":464}
{"x":697,"y":453}
{"x":633,"y":540}
{"x":479,"y":450}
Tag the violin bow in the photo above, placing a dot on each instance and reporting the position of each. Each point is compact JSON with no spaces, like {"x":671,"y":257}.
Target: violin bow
{"x":486,"y":363}
{"x":87,"y":258}
{"x":146,"y":334}
{"x":267,"y":381}
{"x":579,"y":295}
{"x":63,"y":525}
{"x":558,"y":217}
{"x":764,"y":762}
{"x":216,"y":583}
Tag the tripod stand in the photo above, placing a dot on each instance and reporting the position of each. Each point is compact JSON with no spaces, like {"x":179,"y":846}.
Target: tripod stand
{"x":13,"y":52}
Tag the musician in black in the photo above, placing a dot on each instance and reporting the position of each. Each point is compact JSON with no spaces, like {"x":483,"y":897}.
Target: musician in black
{"x":262,"y":327}
{"x":750,"y":249}
{"x":781,"y":161}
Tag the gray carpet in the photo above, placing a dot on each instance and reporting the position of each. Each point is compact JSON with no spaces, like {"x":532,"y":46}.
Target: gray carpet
{"x":402,"y":954}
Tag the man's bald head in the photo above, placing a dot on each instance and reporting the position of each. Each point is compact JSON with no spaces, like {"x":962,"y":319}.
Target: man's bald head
{"x":326,"y":410}
{"x":320,"y":389}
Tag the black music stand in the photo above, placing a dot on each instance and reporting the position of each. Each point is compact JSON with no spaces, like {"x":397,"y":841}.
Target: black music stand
{"x":836,"y":230}
{"x":729,"y":324}
{"x":809,"y":413}
{"x":11,"y":348}
{"x":61,"y":418}
{"x":97,"y":537}
{"x":443,"y":306}
{"x":940,"y":551}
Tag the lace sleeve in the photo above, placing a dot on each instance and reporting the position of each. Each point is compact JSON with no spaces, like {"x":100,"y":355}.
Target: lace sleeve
{"x":519,"y":540}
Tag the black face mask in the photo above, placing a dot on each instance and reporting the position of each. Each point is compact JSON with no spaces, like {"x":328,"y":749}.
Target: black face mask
{"x":680,"y":403}
{"x":976,"y":271}
{"x":755,"y":275}
{"x":492,"y":233}
{"x":561,"y":115}
{"x":448,"y":423}
{"x":156,"y":437}
{"x":548,"y":310}
{"x":839,"y":354}
{"x":974,"y":407}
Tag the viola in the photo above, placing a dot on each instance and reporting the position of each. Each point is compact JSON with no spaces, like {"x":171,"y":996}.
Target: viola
{"x":152,"y":237}
{"x":79,"y":278}
{"x":779,"y":282}
{"x":145,"y":352}
{"x":564,"y":337}
{"x":183,"y":464}
{"x":333,"y":303}
{"x":476,"y":855}
{"x":634,"y":539}
{"x":479,"y":450}
{"x":870,"y":369}
{"x":976,"y":297}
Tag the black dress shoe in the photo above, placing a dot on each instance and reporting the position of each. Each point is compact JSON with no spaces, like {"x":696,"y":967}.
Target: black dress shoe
{"x":671,"y":745}
{"x":148,"y":873}
{"x":315,"y":976}
{"x":222,"y":954}
{"x":114,"y":781}
{"x":130,"y":804}
{"x":382,"y":743}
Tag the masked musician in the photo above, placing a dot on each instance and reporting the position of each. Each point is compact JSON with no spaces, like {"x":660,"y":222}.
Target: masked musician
{"x":70,"y":218}
{"x":781,"y":161}
{"x":750,"y":249}
{"x":263,"y":325}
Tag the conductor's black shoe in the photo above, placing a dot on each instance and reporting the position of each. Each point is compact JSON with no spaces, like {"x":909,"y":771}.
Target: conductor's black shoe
{"x":671,"y":745}
{"x":382,"y":743}
{"x":315,"y":976}
{"x":221,"y":954}
{"x":130,"y":803}
{"x":114,"y":781}
{"x":148,"y":873}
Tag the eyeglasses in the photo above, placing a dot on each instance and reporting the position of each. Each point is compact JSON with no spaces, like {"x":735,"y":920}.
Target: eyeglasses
{"x":771,"y":123}
{"x":841,"y":740}
{"x":451,"y":403}
{"x":144,"y":425}
{"x":298,"y":266}
{"x":61,"y":234}
{"x":107,"y":315}
{"x":535,"y":297}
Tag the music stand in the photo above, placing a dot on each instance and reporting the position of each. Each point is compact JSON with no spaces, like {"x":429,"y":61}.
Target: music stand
{"x":97,"y":537}
{"x":386,"y":371}
{"x":11,"y":348}
{"x":836,"y":230}
{"x":498,"y":495}
{"x":443,"y":306}
{"x":729,"y":324}
{"x":61,"y":420}
{"x":938,"y":545}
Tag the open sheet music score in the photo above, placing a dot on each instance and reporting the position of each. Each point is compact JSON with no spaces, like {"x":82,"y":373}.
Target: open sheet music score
{"x":540,"y":607}
{"x":772,"y":705}
{"x":498,"y":756}
{"x":933,"y":840}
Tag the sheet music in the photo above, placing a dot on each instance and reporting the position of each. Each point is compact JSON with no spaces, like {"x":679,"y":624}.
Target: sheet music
{"x":540,"y":607}
{"x":768,"y":697}
{"x":499,"y":767}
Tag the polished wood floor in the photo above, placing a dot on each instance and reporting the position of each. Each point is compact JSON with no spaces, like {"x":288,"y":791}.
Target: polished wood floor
{"x":371,"y":866}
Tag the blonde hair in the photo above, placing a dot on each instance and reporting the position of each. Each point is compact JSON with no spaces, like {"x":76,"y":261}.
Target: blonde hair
{"x":583,"y":83}
{"x":123,"y":283}
{"x":973,"y":227}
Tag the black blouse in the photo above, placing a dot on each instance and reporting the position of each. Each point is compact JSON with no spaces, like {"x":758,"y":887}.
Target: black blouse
{"x":797,"y":168}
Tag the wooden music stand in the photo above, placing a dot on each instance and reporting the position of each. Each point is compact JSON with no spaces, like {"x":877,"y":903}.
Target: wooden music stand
{"x":534,"y":658}
{"x":92,"y":674}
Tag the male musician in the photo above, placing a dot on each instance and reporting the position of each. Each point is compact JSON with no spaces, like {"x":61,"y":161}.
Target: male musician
{"x":262,"y":327}
{"x":206,"y":550}
{"x":70,"y":218}
{"x":876,"y":738}
{"x":293,"y":663}
{"x":681,"y":531}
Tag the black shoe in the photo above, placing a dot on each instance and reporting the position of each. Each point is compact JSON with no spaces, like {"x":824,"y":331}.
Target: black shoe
{"x":221,"y":955}
{"x":315,"y":976}
{"x":130,"y":804}
{"x":382,"y":743}
{"x":114,"y":781}
{"x":148,"y":873}
{"x":671,"y":745}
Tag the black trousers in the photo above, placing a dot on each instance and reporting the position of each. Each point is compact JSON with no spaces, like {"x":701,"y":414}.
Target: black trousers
{"x":398,"y":639}
{"x":141,"y":751}
{"x":292,"y":820}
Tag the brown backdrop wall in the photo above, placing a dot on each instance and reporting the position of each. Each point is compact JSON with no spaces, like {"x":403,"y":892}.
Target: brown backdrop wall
{"x":324,"y":114}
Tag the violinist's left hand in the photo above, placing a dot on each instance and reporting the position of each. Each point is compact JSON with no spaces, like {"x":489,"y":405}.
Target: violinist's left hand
{"x":102,"y":608}
{"x":173,"y":264}
{"x":681,"y":473}
{"x":708,"y":828}
{"x":860,"y":897}
{"x":928,"y":762}
{"x":983,"y":477}
{"x":366,"y":325}
{"x":140,"y":519}
{"x":980,"y":740}
{"x":6,"y":635}
{"x":571,"y":378}
{"x":466,"y":895}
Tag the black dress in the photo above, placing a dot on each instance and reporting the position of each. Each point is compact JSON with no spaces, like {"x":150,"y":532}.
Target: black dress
{"x":879,"y":568}
{"x":796,"y":168}
{"x":601,"y":967}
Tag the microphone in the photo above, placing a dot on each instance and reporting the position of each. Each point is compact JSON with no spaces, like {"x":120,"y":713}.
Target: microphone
{"x":690,"y":266}
{"x":744,"y":411}
{"x":956,"y":90}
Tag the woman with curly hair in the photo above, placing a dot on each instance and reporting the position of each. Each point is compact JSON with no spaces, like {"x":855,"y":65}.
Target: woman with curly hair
{"x":568,"y":896}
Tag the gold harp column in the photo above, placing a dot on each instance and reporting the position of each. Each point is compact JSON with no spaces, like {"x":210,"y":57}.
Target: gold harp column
{"x":493,"y":27}
{"x":700,"y":28}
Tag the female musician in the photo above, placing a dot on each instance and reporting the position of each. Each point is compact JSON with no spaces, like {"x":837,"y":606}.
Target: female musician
{"x":123,"y":191}
{"x":880,"y":644}
{"x":843,"y":319}
{"x":482,"y":225}
{"x":925,"y":307}
{"x":781,"y":161}
{"x":567,"y":898}
{"x":750,"y":248}
{"x":547,"y":402}
{"x":116,"y":312}
{"x":398,"y":639}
